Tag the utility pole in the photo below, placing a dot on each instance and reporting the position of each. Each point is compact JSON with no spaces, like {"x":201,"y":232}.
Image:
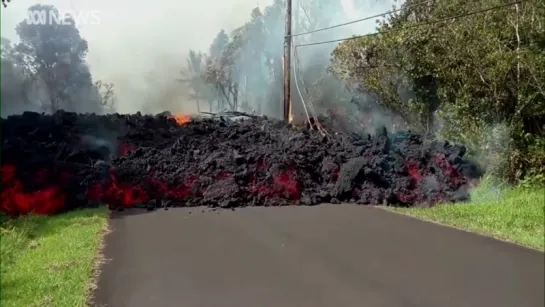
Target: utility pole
{"x":287,"y":62}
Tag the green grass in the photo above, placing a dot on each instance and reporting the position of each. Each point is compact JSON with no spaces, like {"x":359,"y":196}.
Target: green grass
{"x":511,"y":214}
{"x":49,"y":260}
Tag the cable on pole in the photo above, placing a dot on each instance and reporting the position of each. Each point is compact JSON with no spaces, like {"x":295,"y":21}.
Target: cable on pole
{"x":313,"y":112}
{"x":299,"y":91}
{"x":364,"y":19}
{"x":418,"y":24}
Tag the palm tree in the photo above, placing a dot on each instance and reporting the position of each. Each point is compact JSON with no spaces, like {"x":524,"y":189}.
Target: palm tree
{"x":192,"y":75}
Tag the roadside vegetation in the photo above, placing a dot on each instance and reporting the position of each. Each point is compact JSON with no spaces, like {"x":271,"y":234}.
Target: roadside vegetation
{"x":514,"y":214}
{"x":49,"y":260}
{"x":478,"y":79}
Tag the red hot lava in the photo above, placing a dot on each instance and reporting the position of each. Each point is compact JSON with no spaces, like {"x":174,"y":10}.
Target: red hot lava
{"x":15,"y":200}
{"x":125,"y":148}
{"x":110,"y":191}
{"x":419,"y":175}
{"x":210,"y":162}
{"x":284,"y":184}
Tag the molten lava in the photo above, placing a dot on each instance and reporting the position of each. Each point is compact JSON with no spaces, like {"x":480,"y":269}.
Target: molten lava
{"x":15,"y":200}
{"x":182,"y":119}
{"x":191,"y":162}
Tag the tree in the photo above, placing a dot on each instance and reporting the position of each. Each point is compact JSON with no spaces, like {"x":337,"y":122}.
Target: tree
{"x":15,"y":85}
{"x":253,"y":74}
{"x":472,"y":73}
{"x":246,"y":65}
{"x":193,"y":75}
{"x":221,"y":71}
{"x":107,"y":95}
{"x":219,"y":44}
{"x":53,"y":56}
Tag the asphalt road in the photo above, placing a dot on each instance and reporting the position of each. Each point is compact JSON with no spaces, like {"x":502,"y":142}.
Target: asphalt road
{"x":330,"y":255}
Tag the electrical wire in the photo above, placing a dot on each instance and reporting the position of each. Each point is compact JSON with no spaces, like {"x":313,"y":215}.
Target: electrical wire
{"x":310,"y":101}
{"x":299,"y":91}
{"x":296,"y":56}
{"x":364,"y":19}
{"x":320,"y":128}
{"x":418,"y":24}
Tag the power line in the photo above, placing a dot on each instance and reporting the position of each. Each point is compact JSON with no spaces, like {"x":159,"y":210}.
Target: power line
{"x":364,"y":19}
{"x":418,"y":24}
{"x":320,"y":128}
{"x":295,"y":69}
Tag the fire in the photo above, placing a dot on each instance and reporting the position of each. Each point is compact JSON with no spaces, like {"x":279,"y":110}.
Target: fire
{"x":182,"y":119}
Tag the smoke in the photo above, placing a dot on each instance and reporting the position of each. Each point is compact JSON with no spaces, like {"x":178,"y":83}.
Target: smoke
{"x":136,"y":42}
{"x":141,"y":47}
{"x":317,"y":89}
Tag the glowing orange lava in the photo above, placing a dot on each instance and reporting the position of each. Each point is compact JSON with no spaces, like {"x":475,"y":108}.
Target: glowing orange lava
{"x":181,"y":118}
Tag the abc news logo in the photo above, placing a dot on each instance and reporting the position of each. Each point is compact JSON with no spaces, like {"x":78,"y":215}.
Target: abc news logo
{"x":68,"y":17}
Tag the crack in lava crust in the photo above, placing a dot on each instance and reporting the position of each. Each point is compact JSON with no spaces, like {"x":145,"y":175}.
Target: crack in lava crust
{"x":54,"y":163}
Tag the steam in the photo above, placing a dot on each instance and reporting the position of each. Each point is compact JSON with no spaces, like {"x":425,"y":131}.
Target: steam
{"x":141,"y":48}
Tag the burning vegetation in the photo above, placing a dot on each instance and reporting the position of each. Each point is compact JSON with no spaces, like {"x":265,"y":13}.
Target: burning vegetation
{"x":53,"y":163}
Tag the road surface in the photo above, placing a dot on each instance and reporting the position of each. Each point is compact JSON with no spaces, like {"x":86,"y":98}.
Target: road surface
{"x":329,"y":255}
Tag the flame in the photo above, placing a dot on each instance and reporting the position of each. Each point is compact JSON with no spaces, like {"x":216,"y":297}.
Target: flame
{"x":182,"y":119}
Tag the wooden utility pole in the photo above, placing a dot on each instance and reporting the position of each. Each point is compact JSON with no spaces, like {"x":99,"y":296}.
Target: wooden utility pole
{"x":287,"y":62}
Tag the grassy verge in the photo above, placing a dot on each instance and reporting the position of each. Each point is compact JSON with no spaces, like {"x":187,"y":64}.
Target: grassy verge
{"x":48,"y":261}
{"x":511,"y":214}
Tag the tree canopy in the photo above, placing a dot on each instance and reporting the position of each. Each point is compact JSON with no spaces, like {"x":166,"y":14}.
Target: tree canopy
{"x":47,"y":70}
{"x":460,"y":77}
{"x":244,"y":67}
{"x":478,"y":79}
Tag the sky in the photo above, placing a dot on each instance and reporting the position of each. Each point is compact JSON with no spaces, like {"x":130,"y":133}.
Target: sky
{"x":141,"y":48}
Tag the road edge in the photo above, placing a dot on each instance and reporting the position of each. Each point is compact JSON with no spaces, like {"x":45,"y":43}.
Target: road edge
{"x":392,"y":210}
{"x":98,"y":261}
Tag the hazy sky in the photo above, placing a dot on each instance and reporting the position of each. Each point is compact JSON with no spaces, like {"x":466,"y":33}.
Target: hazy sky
{"x":136,"y":39}
{"x":128,"y":28}
{"x":138,"y":43}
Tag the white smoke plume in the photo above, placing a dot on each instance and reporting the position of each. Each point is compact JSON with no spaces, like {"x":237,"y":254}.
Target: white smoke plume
{"x":141,"y":47}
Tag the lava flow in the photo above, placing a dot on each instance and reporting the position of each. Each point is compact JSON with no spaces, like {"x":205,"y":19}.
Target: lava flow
{"x":15,"y":200}
{"x":159,"y":162}
{"x":181,"y":118}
